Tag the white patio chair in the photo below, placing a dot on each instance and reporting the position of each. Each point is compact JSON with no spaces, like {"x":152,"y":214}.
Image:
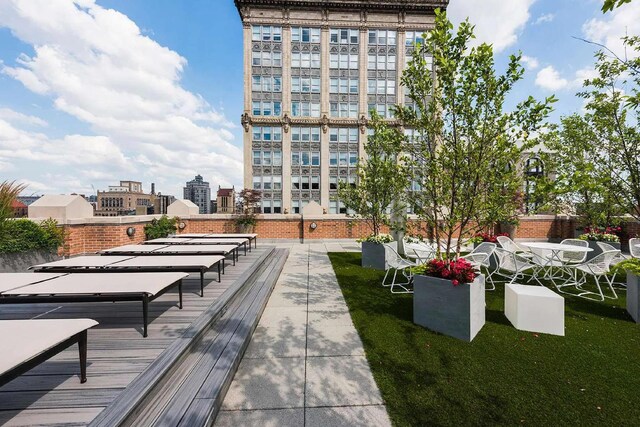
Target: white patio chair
{"x":598,"y":267}
{"x":509,"y":245}
{"x":574,"y":257}
{"x":396,"y":263}
{"x":633,"y":250}
{"x":515,"y":265}
{"x":604,"y":247}
{"x":422,"y":252}
{"x":480,"y":257}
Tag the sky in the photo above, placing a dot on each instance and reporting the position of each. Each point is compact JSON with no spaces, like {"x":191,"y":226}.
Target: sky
{"x":95,"y":91}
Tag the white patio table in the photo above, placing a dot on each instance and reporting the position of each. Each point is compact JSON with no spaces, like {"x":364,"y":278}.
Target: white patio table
{"x":554,"y":259}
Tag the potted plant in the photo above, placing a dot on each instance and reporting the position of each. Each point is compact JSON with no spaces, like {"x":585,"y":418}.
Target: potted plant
{"x":373,"y":253}
{"x":449,"y":298}
{"x":160,"y":228}
{"x":382,"y":182}
{"x":593,"y":235}
{"x":632,"y":268}
{"x":248,"y":204}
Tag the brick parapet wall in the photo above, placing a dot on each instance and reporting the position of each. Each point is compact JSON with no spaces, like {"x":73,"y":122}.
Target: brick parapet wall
{"x":94,"y":235}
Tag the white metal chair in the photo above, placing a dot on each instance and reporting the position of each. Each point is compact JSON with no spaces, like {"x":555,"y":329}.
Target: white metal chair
{"x":422,"y":252}
{"x":598,"y":267}
{"x":574,"y":257}
{"x":514,"y":264}
{"x":396,"y":263}
{"x":633,"y":250}
{"x":604,"y":247}
{"x":480,"y":257}
{"x":509,"y":245}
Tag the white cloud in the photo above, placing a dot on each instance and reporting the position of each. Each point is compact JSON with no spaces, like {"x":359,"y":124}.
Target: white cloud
{"x":97,"y":66}
{"x":549,"y":78}
{"x":497,"y":22}
{"x":607,"y":29}
{"x":15,"y":117}
{"x":530,"y":62}
{"x":547,"y":17}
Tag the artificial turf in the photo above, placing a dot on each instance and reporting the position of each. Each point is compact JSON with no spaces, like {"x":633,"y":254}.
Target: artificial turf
{"x":591,"y":376}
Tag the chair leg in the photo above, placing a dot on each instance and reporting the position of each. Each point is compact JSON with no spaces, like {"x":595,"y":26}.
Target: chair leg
{"x":384,"y":279}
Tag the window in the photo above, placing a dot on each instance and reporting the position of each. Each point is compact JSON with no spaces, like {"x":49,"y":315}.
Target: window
{"x":333,"y":183}
{"x":266,"y":59}
{"x":343,"y":159}
{"x":333,"y":207}
{"x":305,"y":84}
{"x":257,"y":183}
{"x":353,"y":159}
{"x":266,"y":108}
{"x":343,"y":135}
{"x":305,"y":158}
{"x":266,"y":182}
{"x":295,"y":158}
{"x":383,"y":110}
{"x":333,"y":159}
{"x":343,"y":86}
{"x":305,"y":109}
{"x":305,"y":134}
{"x":381,"y":87}
{"x":257,"y":158}
{"x":277,"y":206}
{"x":266,"y":206}
{"x":382,"y":37}
{"x":305,"y":35}
{"x":305,"y":60}
{"x":266,"y":158}
{"x":344,"y":109}
{"x":267,"y":133}
{"x":344,"y":36}
{"x":277,"y":182}
{"x":295,"y":206}
{"x":414,"y":37}
{"x":295,"y":182}
{"x":315,"y":182}
{"x":304,"y":180}
{"x":266,"y":33}
{"x":315,"y":158}
{"x":381,"y":62}
{"x":345,"y":61}
{"x":277,"y":158}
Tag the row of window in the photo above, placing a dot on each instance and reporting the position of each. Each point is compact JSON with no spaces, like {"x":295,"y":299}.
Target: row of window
{"x":305,"y":109}
{"x":344,"y":109}
{"x":381,"y":87}
{"x":343,"y":159}
{"x":343,"y":61}
{"x":343,"y":135}
{"x":267,"y":133}
{"x":303,"y":158}
{"x":340,"y":36}
{"x":266,"y":83}
{"x":312,"y":109}
{"x":305,"y":134}
{"x":305,"y":182}
{"x":343,"y":86}
{"x":271,"y":206}
{"x":266,"y":108}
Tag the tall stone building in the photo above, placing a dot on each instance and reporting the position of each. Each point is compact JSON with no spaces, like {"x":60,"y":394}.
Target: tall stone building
{"x":128,"y":198}
{"x":198,"y":191}
{"x":313,"y":70}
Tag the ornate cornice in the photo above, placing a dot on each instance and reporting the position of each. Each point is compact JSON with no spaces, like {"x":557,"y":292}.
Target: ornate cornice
{"x":420,"y":6}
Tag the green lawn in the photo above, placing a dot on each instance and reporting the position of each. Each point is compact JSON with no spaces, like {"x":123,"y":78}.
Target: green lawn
{"x":505,"y":376}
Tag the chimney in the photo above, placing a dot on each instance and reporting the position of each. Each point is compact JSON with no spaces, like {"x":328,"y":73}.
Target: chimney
{"x":153,"y":188}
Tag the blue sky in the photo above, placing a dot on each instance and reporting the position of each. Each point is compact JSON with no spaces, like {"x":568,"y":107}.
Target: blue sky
{"x":93,"y":91}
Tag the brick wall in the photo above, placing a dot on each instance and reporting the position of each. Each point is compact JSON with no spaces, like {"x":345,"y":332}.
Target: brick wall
{"x":91,"y":237}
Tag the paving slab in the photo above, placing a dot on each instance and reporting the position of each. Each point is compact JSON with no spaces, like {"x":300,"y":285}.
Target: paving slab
{"x":353,"y":416}
{"x":325,"y":340}
{"x":340,"y":381}
{"x":262,"y":418}
{"x":267,"y":383}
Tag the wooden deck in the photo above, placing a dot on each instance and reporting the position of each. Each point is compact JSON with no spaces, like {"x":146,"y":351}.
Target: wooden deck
{"x":51,"y":394}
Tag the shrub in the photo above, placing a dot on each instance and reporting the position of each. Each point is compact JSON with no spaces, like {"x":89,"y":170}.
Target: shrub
{"x":380,"y":239}
{"x":159,"y":228}
{"x":24,"y":235}
{"x":630,"y":265}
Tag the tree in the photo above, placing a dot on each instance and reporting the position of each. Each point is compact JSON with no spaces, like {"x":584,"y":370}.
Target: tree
{"x":382,"y":176}
{"x":578,"y":185}
{"x":9,"y":191}
{"x":613,"y":115}
{"x":466,"y":149}
{"x":609,"y":5}
{"x":248,"y":204}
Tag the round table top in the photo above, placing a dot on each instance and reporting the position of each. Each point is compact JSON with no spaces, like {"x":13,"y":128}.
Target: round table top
{"x":556,"y":247}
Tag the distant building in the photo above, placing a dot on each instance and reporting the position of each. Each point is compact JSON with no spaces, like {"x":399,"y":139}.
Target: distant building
{"x":161,"y":203}
{"x":226,"y":200}
{"x":27,"y":200}
{"x":124,"y":199}
{"x":199,"y":192}
{"x":20,"y":210}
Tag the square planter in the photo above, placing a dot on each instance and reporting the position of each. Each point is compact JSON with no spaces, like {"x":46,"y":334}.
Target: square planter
{"x":456,"y":311}
{"x":596,"y":249}
{"x":633,"y":296}
{"x":21,"y":261}
{"x":373,"y":255}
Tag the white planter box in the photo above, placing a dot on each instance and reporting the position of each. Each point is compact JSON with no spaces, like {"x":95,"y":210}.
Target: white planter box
{"x":456,"y":311}
{"x":534,"y":309}
{"x":633,"y":296}
{"x":373,"y":255}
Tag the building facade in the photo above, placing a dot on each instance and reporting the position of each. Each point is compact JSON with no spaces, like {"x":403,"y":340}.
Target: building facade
{"x":226,"y":200}
{"x":313,"y":70}
{"x":199,"y":192}
{"x":124,"y":199}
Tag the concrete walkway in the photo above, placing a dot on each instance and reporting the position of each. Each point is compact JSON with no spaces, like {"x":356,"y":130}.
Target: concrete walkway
{"x":305,"y":365}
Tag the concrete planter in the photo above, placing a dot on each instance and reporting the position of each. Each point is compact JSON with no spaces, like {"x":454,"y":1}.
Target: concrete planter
{"x":456,"y":311}
{"x":373,"y":255}
{"x":20,"y":262}
{"x":633,"y":296}
{"x":596,"y":249}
